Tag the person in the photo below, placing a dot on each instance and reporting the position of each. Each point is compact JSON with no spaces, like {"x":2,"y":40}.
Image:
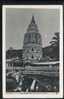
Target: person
{"x":19,"y":84}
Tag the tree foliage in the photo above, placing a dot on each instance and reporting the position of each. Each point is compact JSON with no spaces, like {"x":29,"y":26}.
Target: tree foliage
{"x":55,"y":45}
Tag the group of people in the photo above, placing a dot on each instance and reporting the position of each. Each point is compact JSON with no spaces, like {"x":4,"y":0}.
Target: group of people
{"x":25,"y":84}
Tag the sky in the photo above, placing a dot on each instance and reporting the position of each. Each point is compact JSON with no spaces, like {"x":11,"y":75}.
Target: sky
{"x":17,"y":21}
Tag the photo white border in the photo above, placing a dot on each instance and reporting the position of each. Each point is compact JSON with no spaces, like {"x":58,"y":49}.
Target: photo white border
{"x":32,"y":95}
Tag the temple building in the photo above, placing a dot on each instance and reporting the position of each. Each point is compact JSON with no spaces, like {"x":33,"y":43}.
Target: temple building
{"x":31,"y":54}
{"x":32,"y":45}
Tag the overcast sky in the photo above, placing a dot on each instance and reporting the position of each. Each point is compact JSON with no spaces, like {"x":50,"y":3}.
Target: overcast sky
{"x":17,"y":21}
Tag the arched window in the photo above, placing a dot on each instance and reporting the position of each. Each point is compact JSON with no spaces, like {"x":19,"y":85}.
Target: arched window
{"x":32,"y":49}
{"x":32,"y":56}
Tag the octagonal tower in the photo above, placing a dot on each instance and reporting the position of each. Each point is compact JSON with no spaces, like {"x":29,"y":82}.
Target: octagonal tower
{"x":32,"y":45}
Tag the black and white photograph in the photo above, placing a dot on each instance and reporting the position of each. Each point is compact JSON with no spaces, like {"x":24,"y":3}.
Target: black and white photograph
{"x":32,"y":51}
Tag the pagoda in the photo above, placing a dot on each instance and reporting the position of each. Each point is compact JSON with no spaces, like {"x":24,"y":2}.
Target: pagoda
{"x":32,"y":45}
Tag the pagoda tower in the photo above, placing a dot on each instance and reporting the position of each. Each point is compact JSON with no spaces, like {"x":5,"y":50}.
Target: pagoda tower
{"x":32,"y":45}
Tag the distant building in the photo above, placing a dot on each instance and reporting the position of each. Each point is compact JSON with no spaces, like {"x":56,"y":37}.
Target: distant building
{"x":32,"y":47}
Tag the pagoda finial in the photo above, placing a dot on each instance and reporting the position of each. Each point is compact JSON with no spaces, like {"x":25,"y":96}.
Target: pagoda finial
{"x":33,"y":20}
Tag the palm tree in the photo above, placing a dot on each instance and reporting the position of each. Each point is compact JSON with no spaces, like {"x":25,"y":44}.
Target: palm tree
{"x":55,"y":45}
{"x":55,"y":40}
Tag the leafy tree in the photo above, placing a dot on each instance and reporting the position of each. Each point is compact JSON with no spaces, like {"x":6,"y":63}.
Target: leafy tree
{"x":55,"y":40}
{"x":55,"y":46}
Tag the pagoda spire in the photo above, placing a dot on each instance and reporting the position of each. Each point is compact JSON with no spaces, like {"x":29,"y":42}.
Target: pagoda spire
{"x":33,"y":20}
{"x":32,"y":26}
